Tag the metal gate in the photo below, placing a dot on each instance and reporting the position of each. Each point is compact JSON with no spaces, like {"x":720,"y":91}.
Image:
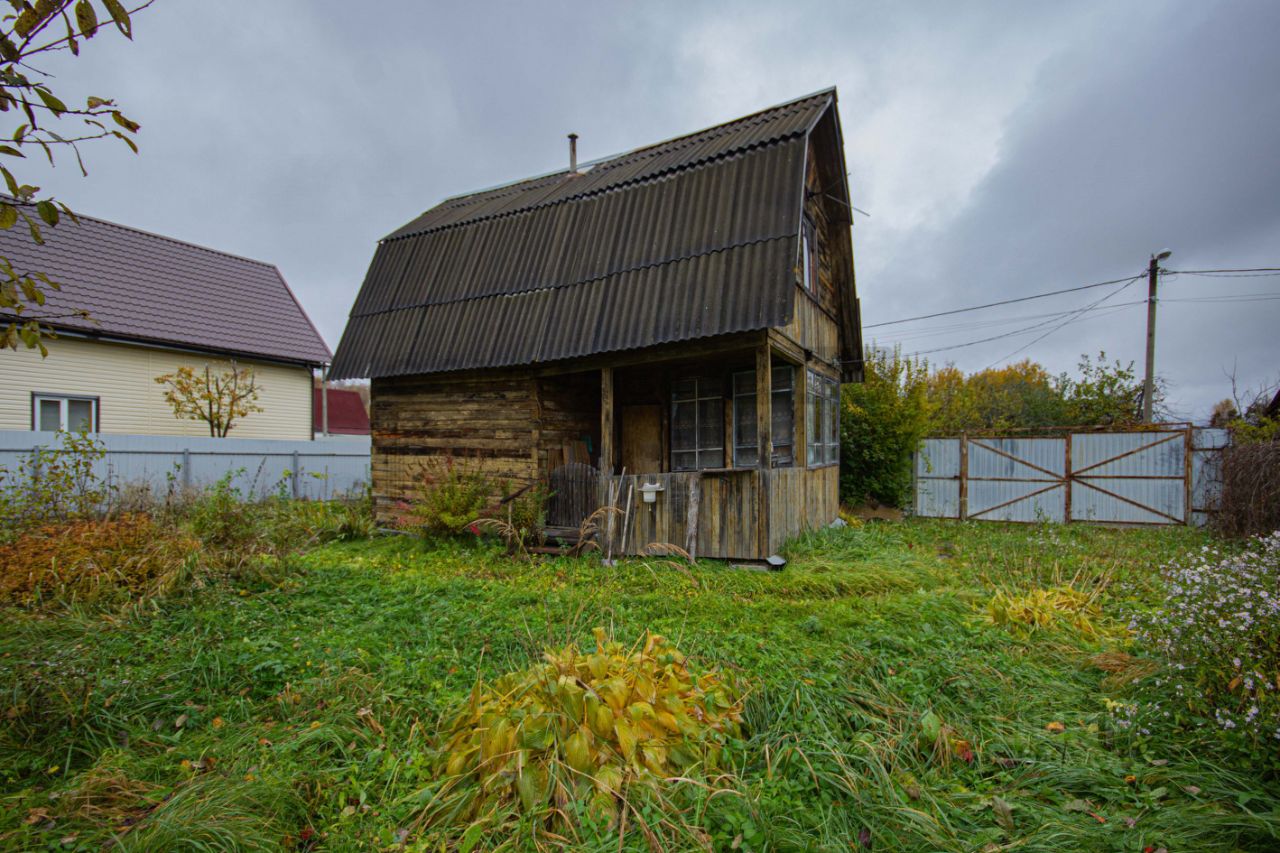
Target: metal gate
{"x":1140,"y":477}
{"x":573,"y":495}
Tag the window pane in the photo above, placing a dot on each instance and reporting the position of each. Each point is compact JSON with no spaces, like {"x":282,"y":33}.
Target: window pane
{"x":710,"y":423}
{"x":806,"y":253}
{"x":683,"y":435}
{"x":709,"y":386}
{"x":746,"y":457}
{"x":684,"y":461}
{"x":685,"y":389}
{"x":710,"y":458}
{"x":783,"y":376}
{"x":49,"y":415}
{"x":80,"y":415}
{"x":744,"y":420}
{"x":744,"y":383}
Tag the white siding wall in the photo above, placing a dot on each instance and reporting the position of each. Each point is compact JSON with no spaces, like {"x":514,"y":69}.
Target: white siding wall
{"x":123,"y":378}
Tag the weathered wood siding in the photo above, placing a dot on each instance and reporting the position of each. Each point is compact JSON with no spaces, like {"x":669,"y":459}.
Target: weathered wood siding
{"x":812,"y":329}
{"x":801,"y":499}
{"x":482,"y":424}
{"x":566,"y":409}
{"x":727,"y":510}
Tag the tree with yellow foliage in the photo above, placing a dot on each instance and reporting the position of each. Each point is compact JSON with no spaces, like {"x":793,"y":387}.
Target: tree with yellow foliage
{"x":220,"y":398}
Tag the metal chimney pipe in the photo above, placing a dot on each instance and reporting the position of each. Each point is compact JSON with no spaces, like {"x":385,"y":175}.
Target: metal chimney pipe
{"x":573,"y":152}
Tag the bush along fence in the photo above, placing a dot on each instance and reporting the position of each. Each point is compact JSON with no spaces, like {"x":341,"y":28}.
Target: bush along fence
{"x":319,"y":470}
{"x":1168,"y":474}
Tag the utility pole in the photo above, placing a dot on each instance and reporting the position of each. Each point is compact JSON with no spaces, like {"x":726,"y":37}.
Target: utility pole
{"x":1149,"y":385}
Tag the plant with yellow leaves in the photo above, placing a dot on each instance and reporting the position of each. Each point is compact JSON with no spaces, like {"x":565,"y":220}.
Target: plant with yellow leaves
{"x":582,"y":732}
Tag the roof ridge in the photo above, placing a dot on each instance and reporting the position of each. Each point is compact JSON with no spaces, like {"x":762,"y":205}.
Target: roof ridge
{"x":578,"y":283}
{"x":510,"y":187}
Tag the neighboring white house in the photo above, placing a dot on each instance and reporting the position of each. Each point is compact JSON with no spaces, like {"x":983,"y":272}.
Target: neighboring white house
{"x":156,"y":304}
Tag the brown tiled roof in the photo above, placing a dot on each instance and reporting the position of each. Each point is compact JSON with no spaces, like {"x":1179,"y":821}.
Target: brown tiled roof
{"x":689,"y":238}
{"x":142,"y":286}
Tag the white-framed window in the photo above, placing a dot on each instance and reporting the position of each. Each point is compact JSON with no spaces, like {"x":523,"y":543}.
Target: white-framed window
{"x":823,"y":420}
{"x":54,"y":412}
{"x":809,"y":255}
{"x":697,"y":424}
{"x":746,"y":444}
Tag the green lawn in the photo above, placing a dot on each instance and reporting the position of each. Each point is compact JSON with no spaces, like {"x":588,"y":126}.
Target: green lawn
{"x":301,"y":716}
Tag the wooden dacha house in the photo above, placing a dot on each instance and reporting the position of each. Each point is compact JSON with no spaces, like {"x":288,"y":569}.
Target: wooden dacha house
{"x":666,"y":329}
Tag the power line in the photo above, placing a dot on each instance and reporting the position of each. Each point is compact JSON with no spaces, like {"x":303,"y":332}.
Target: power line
{"x":1252,"y":272}
{"x":1271,"y":270}
{"x":1001,"y":302}
{"x":1081,"y":313}
{"x":1074,"y":315}
{"x":935,"y":331}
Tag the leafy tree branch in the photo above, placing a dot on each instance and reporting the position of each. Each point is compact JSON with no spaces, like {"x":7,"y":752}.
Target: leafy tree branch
{"x":29,"y":31}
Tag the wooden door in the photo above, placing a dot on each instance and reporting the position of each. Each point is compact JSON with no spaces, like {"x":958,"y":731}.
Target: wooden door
{"x":641,"y":439}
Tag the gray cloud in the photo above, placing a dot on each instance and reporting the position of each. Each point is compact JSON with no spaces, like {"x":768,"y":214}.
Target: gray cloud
{"x":1002,"y":149}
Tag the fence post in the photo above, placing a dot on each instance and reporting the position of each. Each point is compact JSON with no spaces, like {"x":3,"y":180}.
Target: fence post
{"x":964,"y":477}
{"x":1066,"y":481}
{"x":1189,"y":477}
{"x":186,"y":469}
{"x":294,"y":474}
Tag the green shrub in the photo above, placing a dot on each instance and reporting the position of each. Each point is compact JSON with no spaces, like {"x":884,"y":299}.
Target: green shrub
{"x":882,"y":421}
{"x":448,"y":499}
{"x":53,"y":484}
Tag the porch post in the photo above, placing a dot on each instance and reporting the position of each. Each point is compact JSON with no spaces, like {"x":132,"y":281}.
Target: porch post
{"x":764,"y":435}
{"x":764,"y":407}
{"x":606,"y":420}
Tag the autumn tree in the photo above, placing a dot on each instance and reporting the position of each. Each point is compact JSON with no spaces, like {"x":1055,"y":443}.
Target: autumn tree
{"x":219,"y":398}
{"x":43,"y":122}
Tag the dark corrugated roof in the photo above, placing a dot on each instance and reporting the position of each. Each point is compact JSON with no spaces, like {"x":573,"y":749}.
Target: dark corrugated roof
{"x":685,"y":239}
{"x":142,"y":286}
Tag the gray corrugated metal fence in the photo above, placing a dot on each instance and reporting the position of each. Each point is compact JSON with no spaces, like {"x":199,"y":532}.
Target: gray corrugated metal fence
{"x":1163,"y":476}
{"x":319,"y":469}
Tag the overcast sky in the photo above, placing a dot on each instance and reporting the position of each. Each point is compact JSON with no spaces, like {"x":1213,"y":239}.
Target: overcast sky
{"x":1001,"y":149}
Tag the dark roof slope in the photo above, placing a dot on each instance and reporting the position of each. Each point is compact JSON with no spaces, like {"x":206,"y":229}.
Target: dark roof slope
{"x":142,"y":286}
{"x":347,"y":415}
{"x":688,"y":238}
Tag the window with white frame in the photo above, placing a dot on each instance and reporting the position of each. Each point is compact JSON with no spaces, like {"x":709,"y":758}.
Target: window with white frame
{"x":697,"y":424}
{"x":54,"y":412}
{"x":746,"y":442}
{"x":823,"y":420}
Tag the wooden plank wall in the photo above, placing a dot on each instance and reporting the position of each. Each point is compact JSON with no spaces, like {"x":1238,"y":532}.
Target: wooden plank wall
{"x":813,"y":329}
{"x":728,"y":505}
{"x":566,"y":411}
{"x":664,"y":522}
{"x":423,"y":424}
{"x":801,"y":499}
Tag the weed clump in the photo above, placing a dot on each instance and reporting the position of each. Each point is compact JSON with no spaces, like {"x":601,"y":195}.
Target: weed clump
{"x":582,"y":733}
{"x":88,"y":561}
{"x":1046,"y":609}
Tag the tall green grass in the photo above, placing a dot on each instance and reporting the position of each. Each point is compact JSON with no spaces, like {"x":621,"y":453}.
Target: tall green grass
{"x":301,"y":714}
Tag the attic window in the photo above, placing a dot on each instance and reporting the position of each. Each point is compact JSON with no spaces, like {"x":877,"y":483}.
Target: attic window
{"x":809,"y":255}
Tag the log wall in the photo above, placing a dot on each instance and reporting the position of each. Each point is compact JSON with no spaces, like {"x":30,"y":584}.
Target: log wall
{"x":421,"y":425}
